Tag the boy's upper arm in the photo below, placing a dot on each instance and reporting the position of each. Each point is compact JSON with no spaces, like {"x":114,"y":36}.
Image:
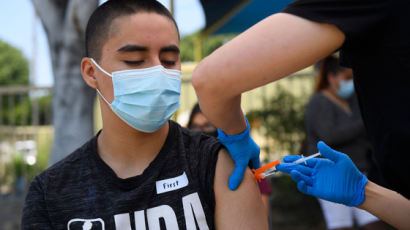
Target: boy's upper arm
{"x":239,"y":209}
{"x":35,"y":214}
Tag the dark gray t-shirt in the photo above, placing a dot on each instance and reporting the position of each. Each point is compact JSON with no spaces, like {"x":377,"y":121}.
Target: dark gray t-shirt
{"x":174,"y":192}
{"x":328,"y":122}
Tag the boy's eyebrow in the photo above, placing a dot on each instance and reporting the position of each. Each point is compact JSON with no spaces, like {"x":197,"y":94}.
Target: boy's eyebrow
{"x":170,"y":48}
{"x":132,"y":48}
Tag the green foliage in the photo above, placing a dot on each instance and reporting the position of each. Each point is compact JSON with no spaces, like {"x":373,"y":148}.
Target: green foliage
{"x":282,"y":119}
{"x":209,"y":44}
{"x":44,"y":142}
{"x":18,"y":165}
{"x":14,"y":67}
{"x":45,"y":109}
{"x":17,"y":169}
{"x":23,"y":110}
{"x":14,"y":70}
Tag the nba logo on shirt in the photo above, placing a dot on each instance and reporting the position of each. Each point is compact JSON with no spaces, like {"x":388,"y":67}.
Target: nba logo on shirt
{"x":86,"y":224}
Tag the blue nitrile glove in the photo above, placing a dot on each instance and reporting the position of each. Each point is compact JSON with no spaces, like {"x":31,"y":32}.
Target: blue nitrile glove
{"x":243,"y":150}
{"x":334,"y":179}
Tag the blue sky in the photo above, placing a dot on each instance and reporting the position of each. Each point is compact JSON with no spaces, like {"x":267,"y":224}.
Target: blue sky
{"x":18,"y":26}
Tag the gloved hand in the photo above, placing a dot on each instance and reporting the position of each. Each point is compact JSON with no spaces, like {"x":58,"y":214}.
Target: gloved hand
{"x":243,"y":150}
{"x":334,"y":179}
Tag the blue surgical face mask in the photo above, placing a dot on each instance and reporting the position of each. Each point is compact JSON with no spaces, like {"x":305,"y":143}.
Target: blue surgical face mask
{"x":346,"y":89}
{"x":145,"y":99}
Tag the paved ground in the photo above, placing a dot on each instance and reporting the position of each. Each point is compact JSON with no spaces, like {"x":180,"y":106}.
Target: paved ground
{"x":10,"y":214}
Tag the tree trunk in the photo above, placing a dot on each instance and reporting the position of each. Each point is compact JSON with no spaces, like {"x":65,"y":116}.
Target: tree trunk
{"x":73,"y":101}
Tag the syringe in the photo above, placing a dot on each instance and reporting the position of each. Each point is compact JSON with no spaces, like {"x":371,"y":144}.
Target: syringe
{"x":263,"y":171}
{"x":304,"y":159}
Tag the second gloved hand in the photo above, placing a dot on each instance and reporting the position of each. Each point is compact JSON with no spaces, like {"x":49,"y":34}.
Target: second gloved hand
{"x":243,"y":150}
{"x":334,"y":179}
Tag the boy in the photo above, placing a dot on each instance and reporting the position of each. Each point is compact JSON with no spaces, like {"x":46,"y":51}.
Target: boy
{"x":142,"y":171}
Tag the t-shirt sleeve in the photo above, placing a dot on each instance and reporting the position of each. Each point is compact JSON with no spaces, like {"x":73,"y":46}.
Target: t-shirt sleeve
{"x":355,"y":18}
{"x":35,"y":210}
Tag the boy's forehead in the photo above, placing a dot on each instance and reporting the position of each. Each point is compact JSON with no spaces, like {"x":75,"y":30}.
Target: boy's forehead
{"x":143,"y":27}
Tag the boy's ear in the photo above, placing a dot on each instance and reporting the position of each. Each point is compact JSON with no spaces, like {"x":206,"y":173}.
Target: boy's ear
{"x":88,"y":72}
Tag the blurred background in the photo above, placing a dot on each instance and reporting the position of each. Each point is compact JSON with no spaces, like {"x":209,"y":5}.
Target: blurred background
{"x":46,"y":110}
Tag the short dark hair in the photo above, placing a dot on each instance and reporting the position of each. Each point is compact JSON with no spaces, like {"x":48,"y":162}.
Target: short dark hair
{"x":196,"y":109}
{"x":98,"y":27}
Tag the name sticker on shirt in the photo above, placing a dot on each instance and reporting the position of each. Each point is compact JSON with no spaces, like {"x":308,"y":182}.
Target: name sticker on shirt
{"x":172,"y":184}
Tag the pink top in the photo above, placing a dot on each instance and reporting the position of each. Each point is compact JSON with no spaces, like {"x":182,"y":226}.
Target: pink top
{"x":264,"y":186}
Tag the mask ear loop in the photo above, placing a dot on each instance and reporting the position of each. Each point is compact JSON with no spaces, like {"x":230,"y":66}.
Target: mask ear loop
{"x":98,"y":91}
{"x":102,"y":70}
{"x":99,"y":67}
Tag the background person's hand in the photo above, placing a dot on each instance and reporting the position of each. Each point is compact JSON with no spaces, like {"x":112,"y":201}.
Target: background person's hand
{"x":335,"y":178}
{"x":243,"y":150}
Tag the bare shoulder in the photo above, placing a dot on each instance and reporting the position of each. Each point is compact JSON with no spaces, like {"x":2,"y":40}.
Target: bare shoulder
{"x":239,"y":209}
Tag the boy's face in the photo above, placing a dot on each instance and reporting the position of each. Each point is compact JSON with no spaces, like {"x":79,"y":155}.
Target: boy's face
{"x":140,"y":40}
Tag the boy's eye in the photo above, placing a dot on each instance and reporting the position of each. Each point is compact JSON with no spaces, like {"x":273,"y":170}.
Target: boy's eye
{"x":133,"y":62}
{"x":170,"y":63}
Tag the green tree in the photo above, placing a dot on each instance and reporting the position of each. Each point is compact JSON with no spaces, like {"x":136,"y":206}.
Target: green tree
{"x":282,"y":119}
{"x":23,"y":110}
{"x":14,"y":67}
{"x":14,"y":70}
{"x":209,"y":44}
